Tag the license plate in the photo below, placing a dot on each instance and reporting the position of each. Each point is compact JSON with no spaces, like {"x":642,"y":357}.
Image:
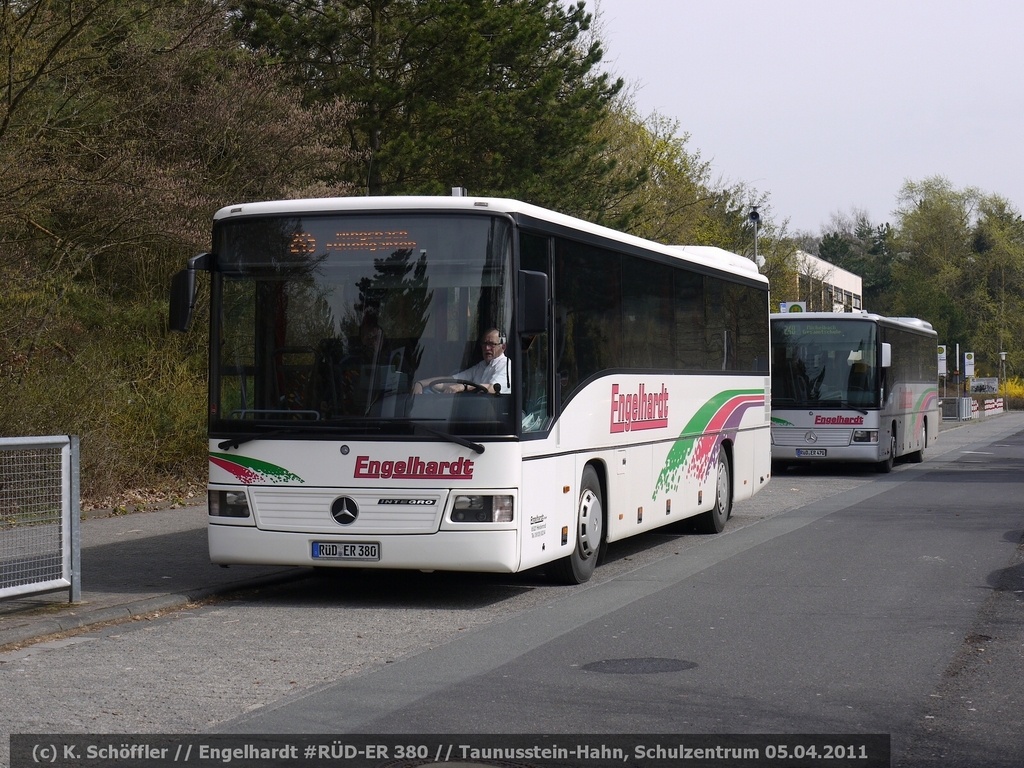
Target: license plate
{"x":346,"y":550}
{"x":808,"y":453}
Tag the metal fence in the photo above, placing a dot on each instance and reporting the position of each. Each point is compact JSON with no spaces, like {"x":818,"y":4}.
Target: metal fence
{"x":950,"y":407}
{"x":967,"y":408}
{"x":40,"y":542}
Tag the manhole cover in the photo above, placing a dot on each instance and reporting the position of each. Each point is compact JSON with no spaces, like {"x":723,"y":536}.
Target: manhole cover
{"x":641,"y":666}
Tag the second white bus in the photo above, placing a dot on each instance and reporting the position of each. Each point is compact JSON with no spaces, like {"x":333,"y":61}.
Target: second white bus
{"x":853,"y":387}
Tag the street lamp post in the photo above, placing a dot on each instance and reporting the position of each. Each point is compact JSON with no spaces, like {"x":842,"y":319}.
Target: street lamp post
{"x":1002,"y":380}
{"x":755,"y":219}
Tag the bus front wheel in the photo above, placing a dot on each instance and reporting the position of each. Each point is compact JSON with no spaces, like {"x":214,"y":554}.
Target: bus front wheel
{"x":886,"y":464}
{"x":713,"y":521}
{"x":579,"y":566}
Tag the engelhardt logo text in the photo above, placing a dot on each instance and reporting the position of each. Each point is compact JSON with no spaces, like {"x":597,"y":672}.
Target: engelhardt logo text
{"x":414,"y":468}
{"x":853,"y":421}
{"x":639,"y":410}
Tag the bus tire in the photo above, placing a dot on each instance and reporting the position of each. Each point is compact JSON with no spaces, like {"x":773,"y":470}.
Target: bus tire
{"x":885,"y":465}
{"x":713,"y":521}
{"x":918,"y":456}
{"x":579,"y":566}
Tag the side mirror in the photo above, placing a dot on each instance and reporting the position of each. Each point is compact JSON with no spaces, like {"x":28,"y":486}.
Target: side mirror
{"x":183,"y":292}
{"x":886,"y":354}
{"x":183,"y":299}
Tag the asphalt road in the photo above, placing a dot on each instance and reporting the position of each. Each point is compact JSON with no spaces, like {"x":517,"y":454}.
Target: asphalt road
{"x":847,"y":602}
{"x":892,"y":606}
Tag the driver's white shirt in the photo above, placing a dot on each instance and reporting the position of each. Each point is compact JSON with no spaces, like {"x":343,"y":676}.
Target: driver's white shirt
{"x":493,"y":372}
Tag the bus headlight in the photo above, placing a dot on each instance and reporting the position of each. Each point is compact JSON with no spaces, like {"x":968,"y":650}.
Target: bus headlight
{"x":229,"y":504}
{"x":865,"y":435}
{"x":471,"y":508}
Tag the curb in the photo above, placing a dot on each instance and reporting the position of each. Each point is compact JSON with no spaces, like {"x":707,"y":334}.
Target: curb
{"x":81,"y":616}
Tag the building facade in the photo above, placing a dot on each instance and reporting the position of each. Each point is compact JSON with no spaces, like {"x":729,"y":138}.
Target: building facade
{"x":825,"y":287}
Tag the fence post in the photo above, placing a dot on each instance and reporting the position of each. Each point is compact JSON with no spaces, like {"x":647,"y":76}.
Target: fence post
{"x":75,"y":592}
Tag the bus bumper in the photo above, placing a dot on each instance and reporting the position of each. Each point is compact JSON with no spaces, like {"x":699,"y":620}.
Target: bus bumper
{"x":478,"y":551}
{"x":853,"y":454}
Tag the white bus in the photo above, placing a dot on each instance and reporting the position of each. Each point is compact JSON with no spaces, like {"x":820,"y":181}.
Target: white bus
{"x":853,"y":387}
{"x":633,"y":394}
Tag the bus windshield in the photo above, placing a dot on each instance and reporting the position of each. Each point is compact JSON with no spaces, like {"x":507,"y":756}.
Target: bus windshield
{"x":824,"y":363}
{"x":328,"y":322}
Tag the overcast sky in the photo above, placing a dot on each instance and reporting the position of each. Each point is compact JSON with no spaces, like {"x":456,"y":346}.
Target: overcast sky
{"x":831,"y":105}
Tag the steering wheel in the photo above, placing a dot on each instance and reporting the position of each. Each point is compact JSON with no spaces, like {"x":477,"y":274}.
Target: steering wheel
{"x":438,"y":385}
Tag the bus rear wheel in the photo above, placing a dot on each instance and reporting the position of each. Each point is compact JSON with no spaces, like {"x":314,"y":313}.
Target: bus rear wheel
{"x":580,"y":565}
{"x":918,"y":456}
{"x":886,"y":464}
{"x":713,"y":521}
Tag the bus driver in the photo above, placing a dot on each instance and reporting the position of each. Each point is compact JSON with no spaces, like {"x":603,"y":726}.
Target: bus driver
{"x":490,"y":374}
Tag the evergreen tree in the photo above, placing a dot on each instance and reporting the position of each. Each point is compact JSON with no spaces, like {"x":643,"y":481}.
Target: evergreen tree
{"x":857,"y":245}
{"x":499,"y":96}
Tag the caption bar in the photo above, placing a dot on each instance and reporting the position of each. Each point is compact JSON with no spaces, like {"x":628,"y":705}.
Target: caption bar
{"x":395,"y":751}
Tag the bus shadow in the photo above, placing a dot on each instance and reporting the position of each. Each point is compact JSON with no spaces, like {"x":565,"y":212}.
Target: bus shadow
{"x":455,"y":590}
{"x":382,"y":588}
{"x":831,"y":470}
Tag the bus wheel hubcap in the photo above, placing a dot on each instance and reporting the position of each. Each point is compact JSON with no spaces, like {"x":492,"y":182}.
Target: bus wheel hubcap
{"x":590,"y":524}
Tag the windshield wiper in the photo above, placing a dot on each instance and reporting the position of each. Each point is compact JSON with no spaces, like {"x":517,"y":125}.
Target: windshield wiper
{"x":235,"y":442}
{"x":464,"y":442}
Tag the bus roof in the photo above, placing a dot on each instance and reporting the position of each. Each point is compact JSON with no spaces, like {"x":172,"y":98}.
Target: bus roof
{"x":912,"y":323}
{"x":707,"y":256}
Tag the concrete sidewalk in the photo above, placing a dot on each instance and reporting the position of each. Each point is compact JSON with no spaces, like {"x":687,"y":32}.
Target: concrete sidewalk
{"x":133,"y":565}
{"x":137,"y":564}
